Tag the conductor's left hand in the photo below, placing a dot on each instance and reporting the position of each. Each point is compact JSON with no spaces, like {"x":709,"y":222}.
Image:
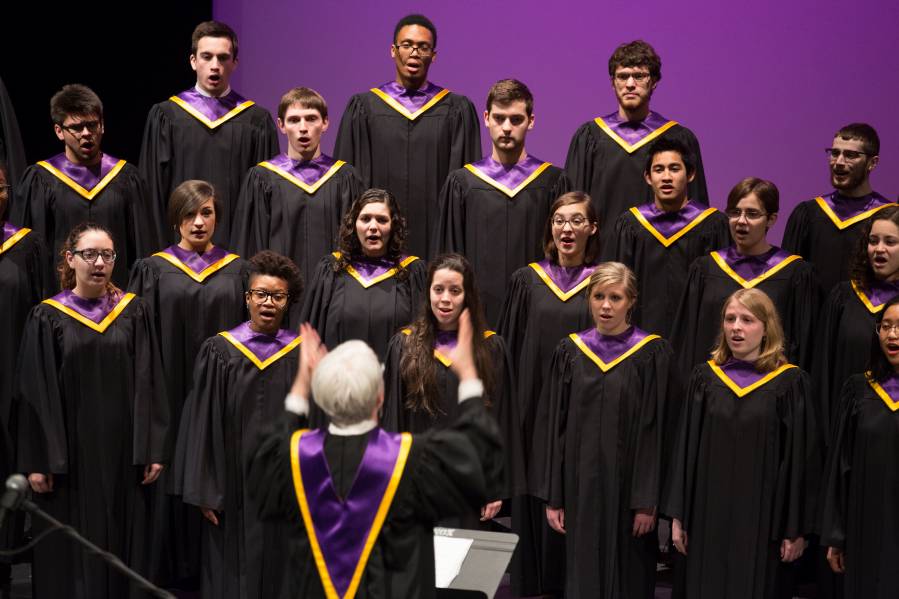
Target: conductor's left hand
{"x":151,"y":473}
{"x":489,"y":511}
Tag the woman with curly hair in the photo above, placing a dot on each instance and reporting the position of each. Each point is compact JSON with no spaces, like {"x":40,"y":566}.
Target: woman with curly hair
{"x":240,"y":380}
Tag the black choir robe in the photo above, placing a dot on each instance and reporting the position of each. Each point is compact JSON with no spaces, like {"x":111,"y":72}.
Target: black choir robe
{"x":186,"y":312}
{"x":860,"y":490}
{"x":92,"y":410}
{"x":450,"y":471}
{"x":178,"y":146}
{"x":498,"y":233}
{"x":231,"y":404}
{"x":611,"y":171}
{"x":744,"y":476}
{"x":12,"y":152}
{"x":410,"y":156}
{"x":661,"y":263}
{"x":289,"y":217}
{"x":597,"y":453}
{"x":52,"y":206}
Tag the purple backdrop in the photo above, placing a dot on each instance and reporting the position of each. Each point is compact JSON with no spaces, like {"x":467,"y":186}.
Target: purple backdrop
{"x":764,"y":86}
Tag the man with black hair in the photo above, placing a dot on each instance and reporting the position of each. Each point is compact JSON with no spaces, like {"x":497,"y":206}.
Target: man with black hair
{"x":409,"y":134}
{"x":208,"y":132}
{"x":825,"y":230}
{"x":607,"y":154}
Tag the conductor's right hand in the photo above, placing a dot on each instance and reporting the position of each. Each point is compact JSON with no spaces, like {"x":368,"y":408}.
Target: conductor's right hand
{"x":40,"y":483}
{"x":210,"y":515}
{"x":556,"y":518}
{"x":462,"y":356}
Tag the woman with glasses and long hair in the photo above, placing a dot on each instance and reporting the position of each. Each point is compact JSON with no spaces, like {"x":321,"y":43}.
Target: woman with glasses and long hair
{"x":861,"y":484}
{"x":92,"y":419}
{"x":240,"y":380}
{"x":744,"y":475}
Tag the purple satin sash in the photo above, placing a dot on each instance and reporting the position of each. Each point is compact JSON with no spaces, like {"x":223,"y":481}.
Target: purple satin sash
{"x":194,"y":261}
{"x":846,"y":208}
{"x":633,"y":131}
{"x":92,"y":309}
{"x":369,"y":268}
{"x":210,"y":107}
{"x":566,"y":278}
{"x":669,"y":223}
{"x":741,"y":372}
{"x":510,"y":176}
{"x":7,"y":231}
{"x":263,"y":346}
{"x":411,"y":99}
{"x":881,"y":292}
{"x":750,"y":267}
{"x":891,"y":386}
{"x":85,"y":176}
{"x":446,"y":341}
{"x":342,"y":526}
{"x":609,"y":347}
{"x":307,"y":171}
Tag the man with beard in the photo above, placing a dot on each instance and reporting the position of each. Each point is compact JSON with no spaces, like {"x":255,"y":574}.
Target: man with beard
{"x":824,"y":230}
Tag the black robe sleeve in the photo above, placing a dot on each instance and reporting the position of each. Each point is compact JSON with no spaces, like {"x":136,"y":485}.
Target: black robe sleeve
{"x":825,"y":371}
{"x":513,"y":320}
{"x":153,"y":434}
{"x":581,"y":159}
{"x":394,"y":392}
{"x":318,"y":295}
{"x":466,"y":142}
{"x":251,"y":230}
{"x":835,"y":488}
{"x":549,"y":446}
{"x":796,"y":234}
{"x":505,"y":410}
{"x":805,"y":304}
{"x":686,"y":322}
{"x":353,"y":143}
{"x":12,"y":152}
{"x":449,"y":235}
{"x":155,"y":159}
{"x":697,"y":188}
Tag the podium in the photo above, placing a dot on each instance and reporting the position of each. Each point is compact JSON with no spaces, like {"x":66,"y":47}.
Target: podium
{"x":483,"y":565}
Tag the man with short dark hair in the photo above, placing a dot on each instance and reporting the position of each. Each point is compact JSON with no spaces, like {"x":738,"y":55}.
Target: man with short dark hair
{"x":494,"y":210}
{"x":409,"y":134}
{"x":607,"y":154}
{"x":84,"y":184}
{"x":824,"y":230}
{"x":208,"y":132}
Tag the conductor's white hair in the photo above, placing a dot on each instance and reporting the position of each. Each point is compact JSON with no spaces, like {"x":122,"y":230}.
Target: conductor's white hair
{"x":346,"y":383}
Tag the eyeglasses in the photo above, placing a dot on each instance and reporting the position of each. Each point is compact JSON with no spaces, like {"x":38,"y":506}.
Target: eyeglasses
{"x":849,"y":155}
{"x":736,"y":213}
{"x":423,"y":49}
{"x":885,"y":328}
{"x":90,"y":255}
{"x":640,"y":77}
{"x":577,"y":221}
{"x":279,"y":298}
{"x":76,"y":128}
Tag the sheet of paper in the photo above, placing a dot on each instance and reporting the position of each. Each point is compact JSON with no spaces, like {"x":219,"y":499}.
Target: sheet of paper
{"x":449,"y":553}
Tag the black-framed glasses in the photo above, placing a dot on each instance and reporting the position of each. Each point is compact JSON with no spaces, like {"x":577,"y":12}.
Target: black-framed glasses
{"x":736,"y":213}
{"x":279,"y":298}
{"x":423,"y":49}
{"x":850,"y":155}
{"x":90,"y":255}
{"x":76,"y":128}
{"x":885,"y":328}
{"x":577,"y":221}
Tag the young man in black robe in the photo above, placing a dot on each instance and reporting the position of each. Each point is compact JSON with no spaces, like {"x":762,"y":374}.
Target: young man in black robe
{"x":407,"y":135}
{"x":208,"y":132}
{"x":494,"y":210}
{"x":825,"y":230}
{"x":84,"y":184}
{"x":660,"y":239}
{"x":607,"y":154}
{"x":292,"y":203}
{"x":379,"y":542}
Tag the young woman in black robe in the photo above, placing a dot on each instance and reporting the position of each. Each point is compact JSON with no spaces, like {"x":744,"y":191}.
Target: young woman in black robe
{"x":93,"y":421}
{"x":598,"y":450}
{"x":746,"y":464}
{"x":240,"y":380}
{"x":419,"y":387}
{"x":861,"y":484}
{"x":195,"y":289}
{"x":545,"y":302}
{"x":790,"y":282}
{"x":369,"y":287}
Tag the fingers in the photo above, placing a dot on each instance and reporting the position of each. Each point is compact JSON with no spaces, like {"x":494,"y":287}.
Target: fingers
{"x":210,"y":515}
{"x":39,"y":483}
{"x":151,"y":473}
{"x":489,"y":511}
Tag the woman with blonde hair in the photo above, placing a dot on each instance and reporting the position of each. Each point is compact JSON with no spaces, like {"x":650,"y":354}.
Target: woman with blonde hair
{"x":744,"y":476}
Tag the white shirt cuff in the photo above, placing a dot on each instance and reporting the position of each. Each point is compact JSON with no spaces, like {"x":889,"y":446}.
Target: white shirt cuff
{"x":470,"y":388}
{"x":297,"y":404}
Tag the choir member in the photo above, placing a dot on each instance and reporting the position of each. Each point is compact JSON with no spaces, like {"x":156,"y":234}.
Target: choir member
{"x":493,"y":210}
{"x":409,"y":134}
{"x":849,"y":313}
{"x":544,"y":304}
{"x":195,"y":289}
{"x":607,"y":155}
{"x":93,"y":420}
{"x":752,"y":207}
{"x":660,"y":239}
{"x":207,"y":132}
{"x":420,"y":383}
{"x":824,"y":230}
{"x":83,"y":184}
{"x":598,"y":468}
{"x":369,"y":287}
{"x":240,"y":380}
{"x":292,"y":203}
{"x":746,"y":465}
{"x":12,"y":152}
{"x":374,"y":539}
{"x":861,"y":481}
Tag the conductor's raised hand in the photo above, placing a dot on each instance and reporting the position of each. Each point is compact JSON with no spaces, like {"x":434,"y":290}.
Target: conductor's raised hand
{"x":462,"y":355}
{"x":312,"y":350}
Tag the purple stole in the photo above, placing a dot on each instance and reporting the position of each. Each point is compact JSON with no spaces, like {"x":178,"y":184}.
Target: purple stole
{"x":411,"y":103}
{"x":844,"y":212}
{"x":607,"y":351}
{"x":668,"y":227}
{"x":508,"y":179}
{"x":211,"y":111}
{"x":878,"y":294}
{"x":308,"y":175}
{"x":261,"y":349}
{"x":10,"y":235}
{"x":198,"y":267}
{"x":887,"y":390}
{"x":371,"y":271}
{"x":444,"y":343}
{"x":742,"y":378}
{"x":633,"y":135}
{"x":85,"y":181}
{"x":342,"y":531}
{"x":565,"y":282}
{"x":749,"y":271}
{"x":96,"y":314}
